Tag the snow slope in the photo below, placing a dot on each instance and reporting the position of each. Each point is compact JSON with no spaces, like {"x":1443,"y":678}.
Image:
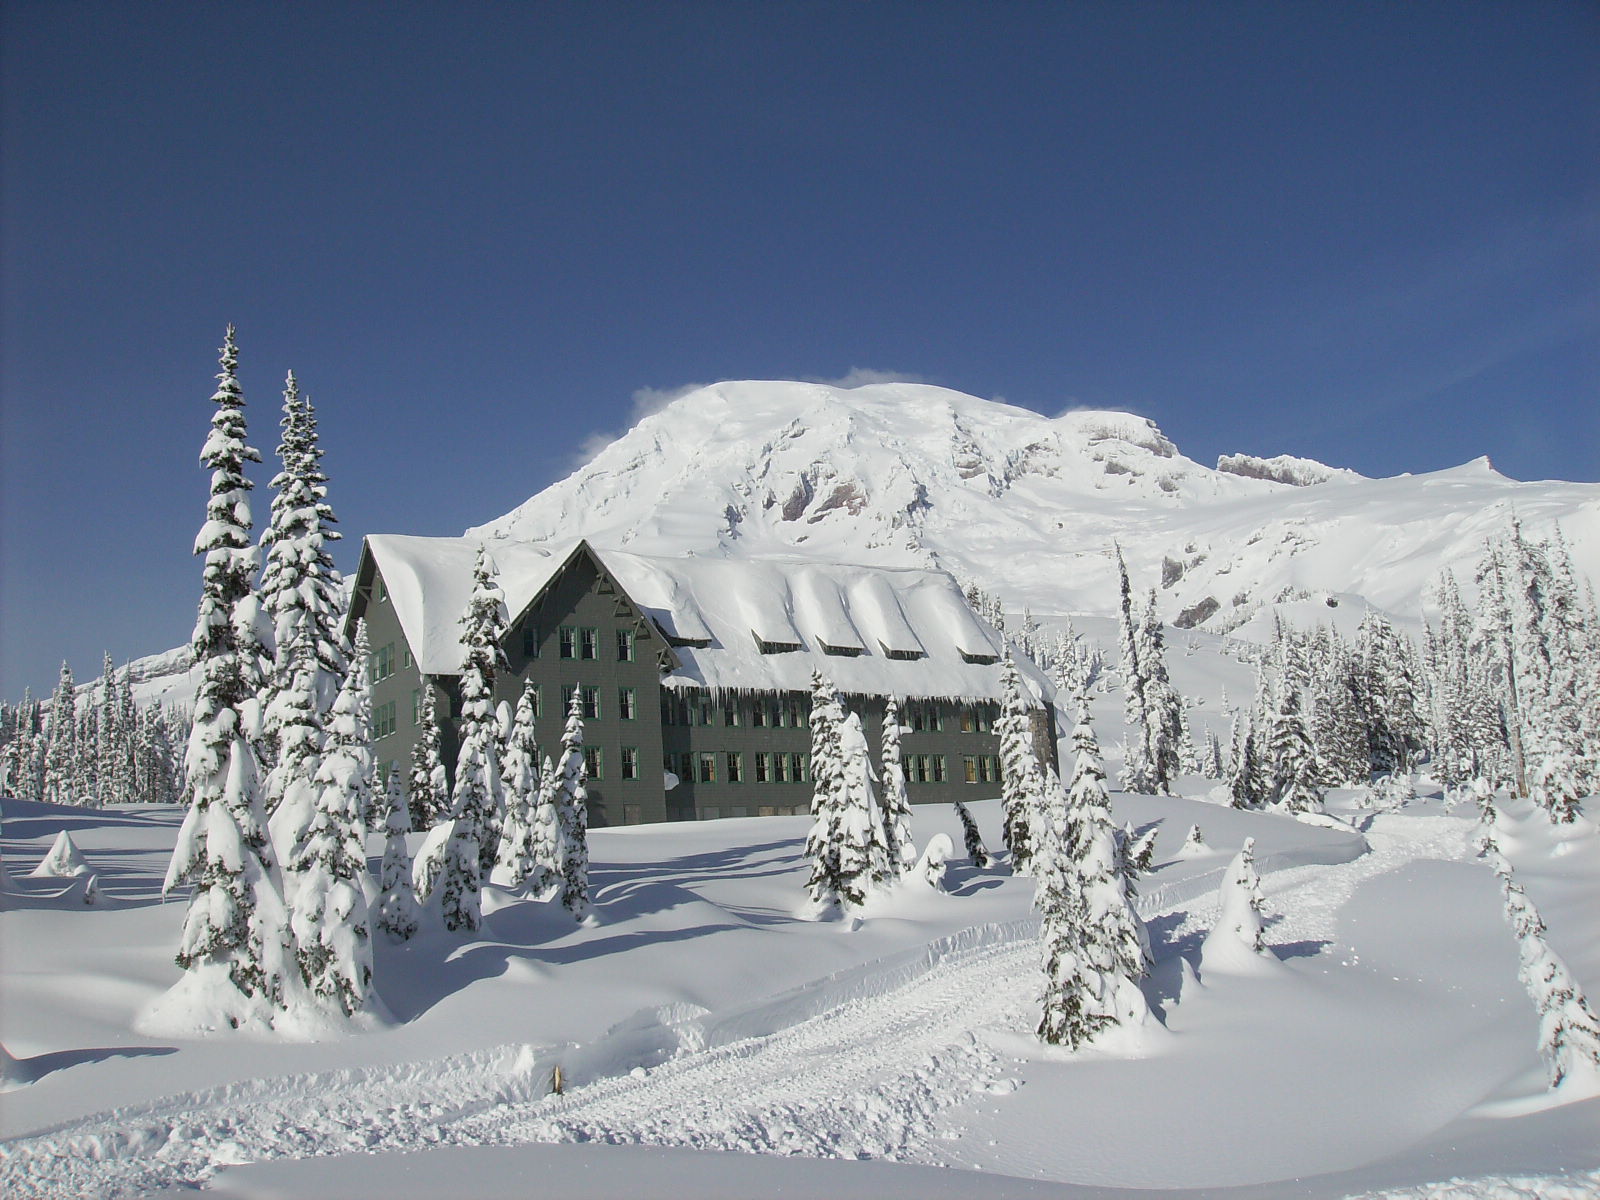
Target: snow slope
{"x":698,"y":1015}
{"x":910,"y":474}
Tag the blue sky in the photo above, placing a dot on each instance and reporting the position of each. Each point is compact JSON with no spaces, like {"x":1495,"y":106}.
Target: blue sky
{"x":1363,"y":233}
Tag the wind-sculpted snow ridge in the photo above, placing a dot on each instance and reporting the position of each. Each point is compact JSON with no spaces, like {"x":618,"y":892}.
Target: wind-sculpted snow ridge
{"x":1584,"y":1185}
{"x":1028,"y":506}
{"x":869,"y":1061}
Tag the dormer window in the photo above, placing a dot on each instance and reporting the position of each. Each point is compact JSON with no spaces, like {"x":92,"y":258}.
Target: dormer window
{"x":843,"y":651}
{"x":980,"y":660}
{"x":767,"y":647}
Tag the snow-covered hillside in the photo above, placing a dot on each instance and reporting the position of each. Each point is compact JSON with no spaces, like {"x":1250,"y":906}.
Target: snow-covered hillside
{"x":1028,"y":506}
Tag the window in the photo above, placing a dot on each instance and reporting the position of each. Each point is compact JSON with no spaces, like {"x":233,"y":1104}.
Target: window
{"x":969,"y":720}
{"x":686,"y":767}
{"x":633,"y":814}
{"x":592,"y":761}
{"x":708,"y":767}
{"x":796,"y":712}
{"x":383,"y":662}
{"x":917,"y":768}
{"x":383,"y":590}
{"x":780,"y":768}
{"x":383,"y":720}
{"x":763,"y":767}
{"x":588,"y":643}
{"x":780,"y":714}
{"x":730,"y":710}
{"x":625,"y":645}
{"x":405,"y":657}
{"x":416,"y":706}
{"x":797,"y":767}
{"x":626,"y":708}
{"x":735,"y":763}
{"x":630,"y":766}
{"x":969,"y":768}
{"x":530,"y":640}
{"x":938,"y":767}
{"x":758,"y":713}
{"x":590,"y":703}
{"x":988,"y":769}
{"x":703,"y":709}
{"x":536,"y":698}
{"x":569,"y":641}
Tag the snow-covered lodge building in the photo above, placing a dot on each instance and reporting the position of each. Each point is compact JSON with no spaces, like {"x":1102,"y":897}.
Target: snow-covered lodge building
{"x":694,"y":672}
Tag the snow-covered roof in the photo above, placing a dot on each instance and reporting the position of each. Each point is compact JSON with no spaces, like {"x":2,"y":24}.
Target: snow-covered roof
{"x":905,"y":631}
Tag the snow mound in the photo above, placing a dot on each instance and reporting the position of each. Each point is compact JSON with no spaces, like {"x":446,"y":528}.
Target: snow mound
{"x":63,"y":862}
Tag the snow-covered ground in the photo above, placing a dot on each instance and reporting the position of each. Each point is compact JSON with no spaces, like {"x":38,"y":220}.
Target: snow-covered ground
{"x":1386,"y":1048}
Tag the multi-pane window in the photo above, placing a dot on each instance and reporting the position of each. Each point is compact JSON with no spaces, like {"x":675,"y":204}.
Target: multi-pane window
{"x":763,"y":767}
{"x":568,"y":637}
{"x":405,"y":657}
{"x":589,"y":702}
{"x":799,"y":714}
{"x":416,"y":706}
{"x":780,"y":768}
{"x":797,"y":767}
{"x":988,"y":768}
{"x":383,"y":662}
{"x":938,"y":767}
{"x":625,"y":649}
{"x":735,"y":762}
{"x":627,"y":709}
{"x":588,"y":642}
{"x":758,"y":713}
{"x":969,"y":720}
{"x":969,"y":768}
{"x":730,"y":710}
{"x":630,"y":764}
{"x":702,"y":709}
{"x":686,"y":767}
{"x":592,"y":761}
{"x":383,"y":723}
{"x":530,"y":640}
{"x":708,"y":767}
{"x":536,"y":698}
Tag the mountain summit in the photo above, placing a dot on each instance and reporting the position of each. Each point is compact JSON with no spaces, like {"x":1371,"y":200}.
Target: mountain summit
{"x":1028,"y":505}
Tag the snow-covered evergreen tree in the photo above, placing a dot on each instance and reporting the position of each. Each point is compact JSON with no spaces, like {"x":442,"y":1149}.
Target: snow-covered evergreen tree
{"x":427,"y":784}
{"x":61,"y":741}
{"x":895,"y":802}
{"x":857,"y":822}
{"x":399,"y":915}
{"x":1138,"y":763}
{"x":331,"y":924}
{"x":572,"y":812}
{"x":1292,"y":761}
{"x":544,"y":860}
{"x":1165,"y":731}
{"x":477,"y":784}
{"x":301,"y":590}
{"x":973,"y":840}
{"x":1022,"y":782}
{"x":1239,"y":931}
{"x":234,"y":946}
{"x":1097,"y":950}
{"x":519,"y":761}
{"x":827,"y":795}
{"x":1569,"y":1032}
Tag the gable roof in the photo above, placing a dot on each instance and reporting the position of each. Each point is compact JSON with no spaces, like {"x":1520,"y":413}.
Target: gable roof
{"x":739,"y":624}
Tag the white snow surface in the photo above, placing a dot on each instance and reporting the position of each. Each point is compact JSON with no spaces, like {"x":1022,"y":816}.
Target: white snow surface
{"x":1392,"y":1048}
{"x":902,"y":474}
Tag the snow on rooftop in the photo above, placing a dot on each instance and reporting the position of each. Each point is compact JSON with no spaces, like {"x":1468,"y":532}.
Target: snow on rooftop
{"x":755,"y":624}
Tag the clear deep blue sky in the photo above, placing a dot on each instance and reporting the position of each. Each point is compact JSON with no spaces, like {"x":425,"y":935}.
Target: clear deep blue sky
{"x":1364,"y":233}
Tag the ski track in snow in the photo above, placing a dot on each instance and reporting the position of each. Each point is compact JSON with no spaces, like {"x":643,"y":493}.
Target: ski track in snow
{"x":856,"y":1067}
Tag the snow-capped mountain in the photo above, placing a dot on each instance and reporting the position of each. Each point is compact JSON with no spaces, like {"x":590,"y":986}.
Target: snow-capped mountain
{"x":1029,"y":506}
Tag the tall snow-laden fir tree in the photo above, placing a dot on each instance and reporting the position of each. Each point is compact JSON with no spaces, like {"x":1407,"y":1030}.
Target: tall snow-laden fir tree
{"x":856,"y":825}
{"x":427,"y":783}
{"x":1165,"y":730}
{"x":1569,"y":1032}
{"x":1097,"y":951}
{"x":1290,"y":756}
{"x":895,"y":802}
{"x":1138,"y":764}
{"x":544,"y":868}
{"x":399,"y":915}
{"x":824,"y":884}
{"x":572,"y":812}
{"x":517,"y":860}
{"x":331,"y":924}
{"x":301,"y":590}
{"x":1022,"y":782}
{"x":477,"y":784}
{"x":61,"y":741}
{"x":235,"y":942}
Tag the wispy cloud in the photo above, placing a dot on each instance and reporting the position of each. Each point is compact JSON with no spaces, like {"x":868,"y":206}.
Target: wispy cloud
{"x":862,"y":376}
{"x":647,"y":401}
